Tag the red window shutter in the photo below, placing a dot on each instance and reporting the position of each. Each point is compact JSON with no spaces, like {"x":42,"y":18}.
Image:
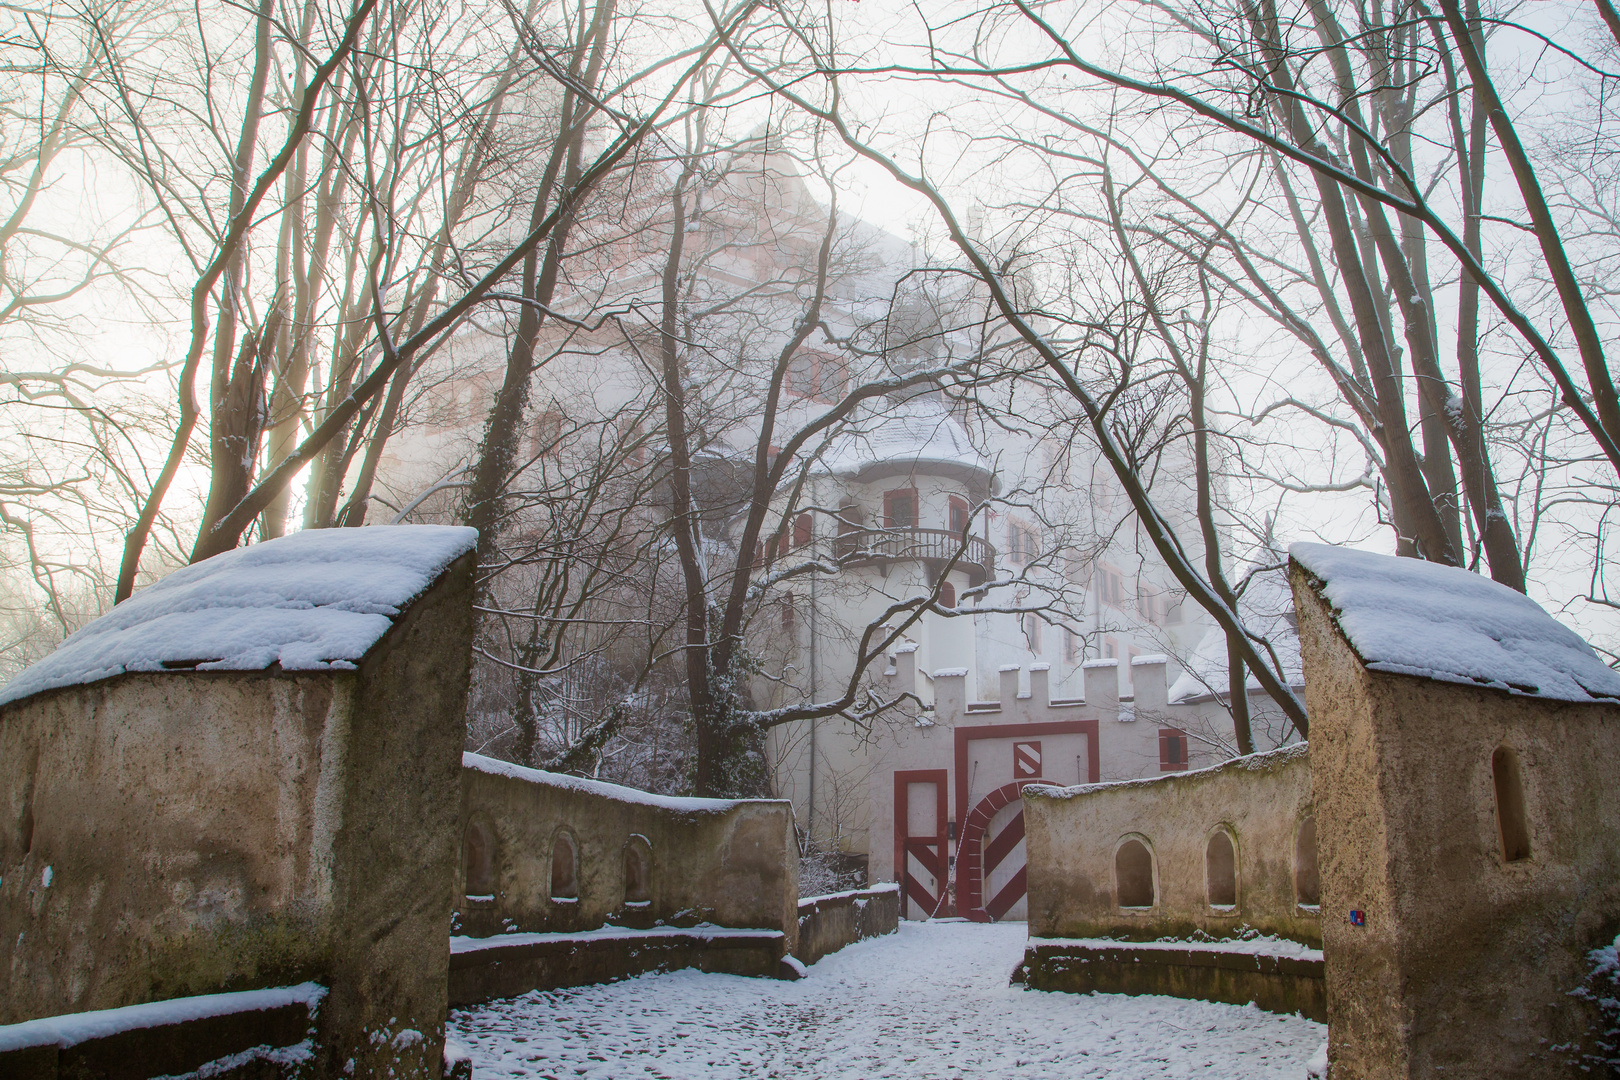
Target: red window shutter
{"x":947,"y":595}
{"x":801,"y":530}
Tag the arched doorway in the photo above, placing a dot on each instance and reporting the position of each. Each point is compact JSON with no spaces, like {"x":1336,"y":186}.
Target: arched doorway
{"x":993,"y":875}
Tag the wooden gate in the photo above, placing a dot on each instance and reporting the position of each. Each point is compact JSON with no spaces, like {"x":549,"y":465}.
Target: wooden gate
{"x":985,"y":851}
{"x":921,"y":842}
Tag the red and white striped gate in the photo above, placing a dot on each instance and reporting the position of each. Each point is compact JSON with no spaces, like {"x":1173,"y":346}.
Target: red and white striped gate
{"x":991,"y":841}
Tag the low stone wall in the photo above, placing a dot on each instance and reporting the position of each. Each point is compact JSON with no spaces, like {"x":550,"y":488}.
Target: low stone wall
{"x":483,"y":969}
{"x":544,"y":853}
{"x":1215,"y":853}
{"x":1278,"y":979}
{"x":828,"y":923}
{"x":254,"y":1032}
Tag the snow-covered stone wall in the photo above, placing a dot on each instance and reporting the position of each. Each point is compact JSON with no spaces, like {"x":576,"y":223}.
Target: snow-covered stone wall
{"x":543,"y":852}
{"x":1218,"y":852}
{"x":1463,"y":746}
{"x":245,"y":776}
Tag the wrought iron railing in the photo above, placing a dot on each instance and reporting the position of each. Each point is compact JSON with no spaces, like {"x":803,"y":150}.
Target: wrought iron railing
{"x":857,"y":546}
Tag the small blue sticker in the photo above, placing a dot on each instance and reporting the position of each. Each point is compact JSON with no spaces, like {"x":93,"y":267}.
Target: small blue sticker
{"x":1358,"y":918}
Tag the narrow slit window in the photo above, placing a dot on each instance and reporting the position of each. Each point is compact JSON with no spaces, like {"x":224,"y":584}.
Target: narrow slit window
{"x":1307,"y":881}
{"x":1220,"y":871}
{"x":1511,"y":825}
{"x":1133,"y":874}
{"x":479,"y":851}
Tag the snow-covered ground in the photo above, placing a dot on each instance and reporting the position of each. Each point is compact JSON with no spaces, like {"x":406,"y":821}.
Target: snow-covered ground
{"x":929,"y":1002}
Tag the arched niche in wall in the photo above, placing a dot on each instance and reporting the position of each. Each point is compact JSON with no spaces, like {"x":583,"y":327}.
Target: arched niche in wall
{"x":1512,"y":821}
{"x":1133,"y":873}
{"x":564,"y":866}
{"x":637,"y":870}
{"x":1307,"y":879}
{"x":478,"y":860}
{"x":1220,"y":869}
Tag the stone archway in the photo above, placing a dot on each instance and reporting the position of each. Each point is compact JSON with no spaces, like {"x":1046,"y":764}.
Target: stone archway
{"x":982,"y":854}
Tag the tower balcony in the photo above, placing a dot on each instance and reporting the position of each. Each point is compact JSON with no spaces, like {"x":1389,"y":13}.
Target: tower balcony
{"x":933,"y":547}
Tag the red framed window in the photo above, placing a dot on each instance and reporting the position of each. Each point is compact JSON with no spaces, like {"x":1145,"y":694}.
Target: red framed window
{"x":1023,"y":542}
{"x":548,"y":428}
{"x":1173,"y":748}
{"x":1110,"y":586}
{"x":817,"y":375}
{"x":1031,"y":625}
{"x":900,"y":508}
{"x":959,"y":515}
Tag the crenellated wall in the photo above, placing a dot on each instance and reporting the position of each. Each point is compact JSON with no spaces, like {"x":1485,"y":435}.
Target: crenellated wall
{"x":972,"y":742}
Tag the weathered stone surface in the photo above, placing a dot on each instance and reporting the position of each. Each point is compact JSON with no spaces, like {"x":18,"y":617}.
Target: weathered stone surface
{"x":1073,"y":834}
{"x":1465,"y":958}
{"x":167,"y":834}
{"x":495,"y":969}
{"x":828,"y":923}
{"x":732,"y":863}
{"x":1281,"y":984}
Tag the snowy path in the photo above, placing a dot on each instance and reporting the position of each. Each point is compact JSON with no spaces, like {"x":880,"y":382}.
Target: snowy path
{"x":929,"y":1002}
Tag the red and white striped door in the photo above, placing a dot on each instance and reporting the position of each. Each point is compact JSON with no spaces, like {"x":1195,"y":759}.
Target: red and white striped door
{"x":922,"y":846}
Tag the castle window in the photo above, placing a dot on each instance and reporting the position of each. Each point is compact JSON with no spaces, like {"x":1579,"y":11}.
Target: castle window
{"x":959,"y":515}
{"x":1023,"y":542}
{"x":1071,"y":646}
{"x":564,"y":868}
{"x":802,"y":530}
{"x":1172,"y":750}
{"x":1133,"y":875}
{"x":1512,"y":829}
{"x":1110,"y":586}
{"x":849,"y":530}
{"x":1220,"y":871}
{"x":547,"y":433}
{"x":637,"y":871}
{"x":1030,"y":623}
{"x":478,"y":848}
{"x":816,"y":375}
{"x":947,"y":594}
{"x":900,"y":508}
{"x":1307,"y":880}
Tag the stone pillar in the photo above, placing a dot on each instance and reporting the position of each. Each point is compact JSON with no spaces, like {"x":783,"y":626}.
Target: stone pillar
{"x":1040,"y":688}
{"x":1102,"y":687}
{"x":950,"y":696}
{"x":1009,"y":690}
{"x":1151,"y":689}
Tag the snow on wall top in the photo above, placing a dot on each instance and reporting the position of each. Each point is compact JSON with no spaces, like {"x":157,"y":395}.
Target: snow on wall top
{"x":600,"y":788}
{"x":1411,"y":617}
{"x":315,"y":600}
